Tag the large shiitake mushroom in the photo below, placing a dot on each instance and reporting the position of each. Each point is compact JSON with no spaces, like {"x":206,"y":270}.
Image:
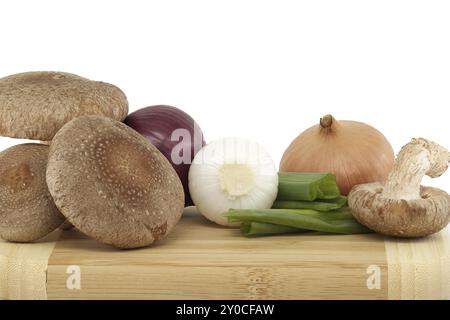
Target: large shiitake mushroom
{"x":35,"y":105}
{"x":112,"y":184}
{"x":402,"y":207}
{"x":27,"y":210}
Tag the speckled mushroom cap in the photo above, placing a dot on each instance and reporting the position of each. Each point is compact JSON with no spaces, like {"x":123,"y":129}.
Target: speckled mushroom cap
{"x":27,"y":210}
{"x":398,"y":217}
{"x":35,"y":105}
{"x":112,"y":184}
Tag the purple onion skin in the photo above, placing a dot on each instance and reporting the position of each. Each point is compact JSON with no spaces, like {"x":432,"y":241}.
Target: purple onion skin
{"x":157,"y":123}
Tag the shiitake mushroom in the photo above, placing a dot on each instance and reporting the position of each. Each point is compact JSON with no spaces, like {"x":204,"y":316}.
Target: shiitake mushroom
{"x":402,"y":207}
{"x":27,"y":210}
{"x":112,"y":184}
{"x":35,"y":105}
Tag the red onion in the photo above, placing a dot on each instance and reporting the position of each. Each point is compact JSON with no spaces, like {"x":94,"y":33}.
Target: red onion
{"x":176,"y":135}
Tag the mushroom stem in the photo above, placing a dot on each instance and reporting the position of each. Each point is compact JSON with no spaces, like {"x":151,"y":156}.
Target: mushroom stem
{"x":418,"y":158}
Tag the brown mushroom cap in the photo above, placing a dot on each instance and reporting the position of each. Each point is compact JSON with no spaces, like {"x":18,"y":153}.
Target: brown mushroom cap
{"x":35,"y":105}
{"x":398,"y":217}
{"x":112,"y":184}
{"x":27,"y":210}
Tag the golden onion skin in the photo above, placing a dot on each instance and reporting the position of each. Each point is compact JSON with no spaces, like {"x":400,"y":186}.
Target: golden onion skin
{"x":353,"y":151}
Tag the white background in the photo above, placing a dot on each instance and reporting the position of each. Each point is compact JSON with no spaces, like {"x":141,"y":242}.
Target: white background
{"x":264,"y":70}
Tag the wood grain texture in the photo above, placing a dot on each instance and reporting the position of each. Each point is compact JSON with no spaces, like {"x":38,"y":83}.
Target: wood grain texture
{"x":203,"y":261}
{"x":23,"y":268}
{"x":200,"y":260}
{"x":419,"y":268}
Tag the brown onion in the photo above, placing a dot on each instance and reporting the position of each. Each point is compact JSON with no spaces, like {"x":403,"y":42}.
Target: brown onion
{"x":353,"y":151}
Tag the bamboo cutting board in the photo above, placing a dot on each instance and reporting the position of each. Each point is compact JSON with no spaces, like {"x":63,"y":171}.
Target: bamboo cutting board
{"x":203,"y":261}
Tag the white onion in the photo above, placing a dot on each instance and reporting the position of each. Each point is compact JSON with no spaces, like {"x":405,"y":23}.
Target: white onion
{"x":232,"y":173}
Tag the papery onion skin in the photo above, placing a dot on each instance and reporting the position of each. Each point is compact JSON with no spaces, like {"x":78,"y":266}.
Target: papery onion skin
{"x":353,"y":151}
{"x":213,"y":198}
{"x":157,"y":123}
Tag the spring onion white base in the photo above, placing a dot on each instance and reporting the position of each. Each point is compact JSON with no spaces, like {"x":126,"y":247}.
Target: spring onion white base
{"x":232,"y":173}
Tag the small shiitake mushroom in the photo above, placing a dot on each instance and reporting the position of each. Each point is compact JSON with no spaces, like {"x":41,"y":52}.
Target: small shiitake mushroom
{"x":27,"y":210}
{"x":35,"y":105}
{"x":402,"y":207}
{"x":112,"y":184}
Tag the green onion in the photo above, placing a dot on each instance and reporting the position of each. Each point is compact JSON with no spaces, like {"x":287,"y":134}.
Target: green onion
{"x":258,"y":229}
{"x":319,"y":205}
{"x":341,"y":222}
{"x":296,"y":186}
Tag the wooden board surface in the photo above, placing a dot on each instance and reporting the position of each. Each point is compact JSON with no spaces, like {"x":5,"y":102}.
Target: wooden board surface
{"x":203,"y":261}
